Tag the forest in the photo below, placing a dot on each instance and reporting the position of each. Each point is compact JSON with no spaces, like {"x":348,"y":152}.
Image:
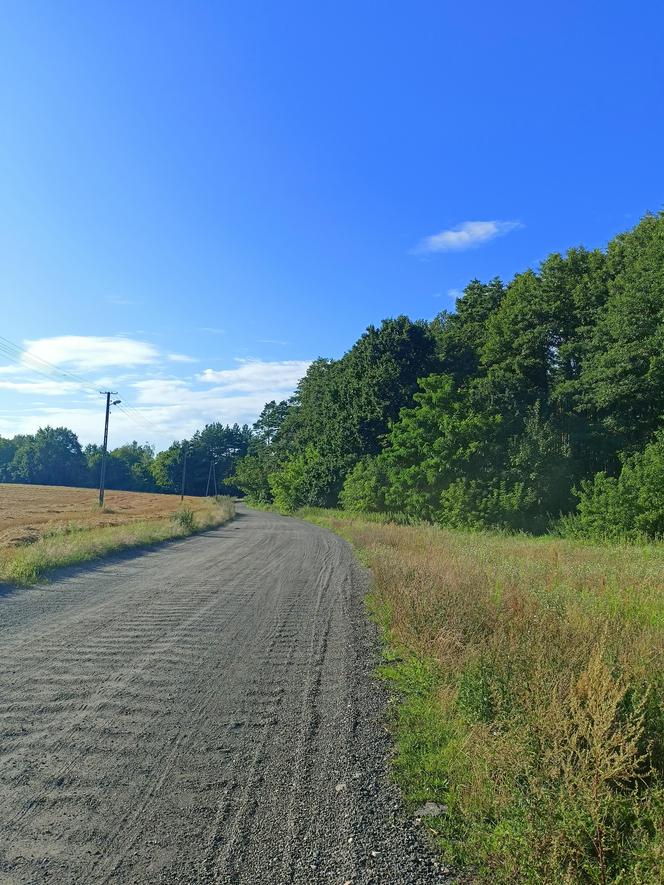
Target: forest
{"x":535,"y":406}
{"x":54,"y":456}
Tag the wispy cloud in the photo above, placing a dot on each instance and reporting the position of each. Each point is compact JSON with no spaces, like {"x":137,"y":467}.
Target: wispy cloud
{"x":466,"y":235}
{"x":42,"y":388}
{"x":257,"y":375}
{"x":173,"y":406}
{"x":211,"y":330}
{"x":90,"y":352}
{"x":181,"y":358}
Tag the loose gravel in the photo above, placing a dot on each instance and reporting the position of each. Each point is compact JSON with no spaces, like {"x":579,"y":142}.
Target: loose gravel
{"x":201,"y":713}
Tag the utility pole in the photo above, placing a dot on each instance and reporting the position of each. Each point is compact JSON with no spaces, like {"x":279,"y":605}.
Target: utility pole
{"x":102,"y":478}
{"x":207,"y":487}
{"x":184,"y":472}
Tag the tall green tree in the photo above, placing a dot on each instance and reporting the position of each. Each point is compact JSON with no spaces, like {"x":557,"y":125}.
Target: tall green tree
{"x":266,"y":451}
{"x":623,"y":376}
{"x":7,"y":451}
{"x":212,"y":457}
{"x":462,"y":335}
{"x":52,"y":456}
{"x":343,"y":408}
{"x":493,"y":414}
{"x":128,"y":467}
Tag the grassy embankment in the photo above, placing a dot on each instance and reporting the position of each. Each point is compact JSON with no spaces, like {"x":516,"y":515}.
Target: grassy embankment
{"x":529,"y":677}
{"x":42,"y":528}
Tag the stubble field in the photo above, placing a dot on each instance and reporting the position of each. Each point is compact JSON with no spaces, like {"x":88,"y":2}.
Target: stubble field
{"x":42,"y":527}
{"x":27,"y":512}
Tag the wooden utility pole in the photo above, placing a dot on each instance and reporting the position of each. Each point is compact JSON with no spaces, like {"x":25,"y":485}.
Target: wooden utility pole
{"x":207,"y":487}
{"x":184,"y":472}
{"x":102,"y":478}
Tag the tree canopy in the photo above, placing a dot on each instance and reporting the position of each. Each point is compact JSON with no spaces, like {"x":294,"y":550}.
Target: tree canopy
{"x":53,"y":456}
{"x":532,"y":397}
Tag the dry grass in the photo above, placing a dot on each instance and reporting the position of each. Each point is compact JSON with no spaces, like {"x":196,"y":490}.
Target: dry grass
{"x":531,"y":674}
{"x":42,"y":527}
{"x":28,"y":511}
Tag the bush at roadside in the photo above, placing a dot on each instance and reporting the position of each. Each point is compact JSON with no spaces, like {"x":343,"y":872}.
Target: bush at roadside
{"x":630,"y":506}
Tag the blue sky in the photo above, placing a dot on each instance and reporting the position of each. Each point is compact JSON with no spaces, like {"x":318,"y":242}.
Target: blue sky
{"x":197,"y":198}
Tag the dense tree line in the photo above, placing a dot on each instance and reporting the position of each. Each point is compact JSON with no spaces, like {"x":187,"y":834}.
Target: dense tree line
{"x":54,"y":456}
{"x":537,"y":399}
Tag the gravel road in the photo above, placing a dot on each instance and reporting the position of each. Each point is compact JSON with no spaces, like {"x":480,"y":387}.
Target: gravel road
{"x":203,"y":712}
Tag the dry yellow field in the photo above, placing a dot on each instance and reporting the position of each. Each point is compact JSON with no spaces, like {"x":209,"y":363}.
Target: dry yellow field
{"x":28,"y":512}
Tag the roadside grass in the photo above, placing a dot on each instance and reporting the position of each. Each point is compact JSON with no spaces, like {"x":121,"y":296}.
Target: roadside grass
{"x":74,"y":542}
{"x":529,"y":696}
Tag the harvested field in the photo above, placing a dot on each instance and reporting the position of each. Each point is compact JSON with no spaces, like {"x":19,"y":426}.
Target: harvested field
{"x":28,"y":512}
{"x":44,"y":527}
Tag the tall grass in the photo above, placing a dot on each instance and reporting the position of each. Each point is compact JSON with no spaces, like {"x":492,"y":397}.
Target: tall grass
{"x":530,"y":678}
{"x":77,"y":543}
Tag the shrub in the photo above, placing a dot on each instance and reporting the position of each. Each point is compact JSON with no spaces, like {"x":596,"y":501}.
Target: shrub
{"x":630,"y":506}
{"x":363,"y":490}
{"x":305,"y":480}
{"x":185,"y":519}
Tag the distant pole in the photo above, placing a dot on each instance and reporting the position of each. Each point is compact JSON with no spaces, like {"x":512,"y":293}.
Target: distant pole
{"x":184,"y":472}
{"x":214,"y":476}
{"x":102,"y":478}
{"x":207,"y":487}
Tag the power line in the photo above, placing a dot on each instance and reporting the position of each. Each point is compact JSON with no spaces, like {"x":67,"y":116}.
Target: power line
{"x":11,"y":346}
{"x":20,"y":361}
{"x":32,"y":363}
{"x":142,"y":416}
{"x":19,"y":355}
{"x":136,"y":417}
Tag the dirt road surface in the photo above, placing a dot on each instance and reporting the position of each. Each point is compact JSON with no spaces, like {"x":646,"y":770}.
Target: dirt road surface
{"x":200,"y":713}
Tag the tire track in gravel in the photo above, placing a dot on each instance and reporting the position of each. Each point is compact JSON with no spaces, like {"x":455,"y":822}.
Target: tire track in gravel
{"x":200,"y":713}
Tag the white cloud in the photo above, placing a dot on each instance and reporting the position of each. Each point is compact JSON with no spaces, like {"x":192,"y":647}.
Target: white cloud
{"x":42,"y":388}
{"x":257,"y":375}
{"x":181,"y":358}
{"x":467,"y":235}
{"x":160,"y":390}
{"x":170,"y":407}
{"x":91,"y":352}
